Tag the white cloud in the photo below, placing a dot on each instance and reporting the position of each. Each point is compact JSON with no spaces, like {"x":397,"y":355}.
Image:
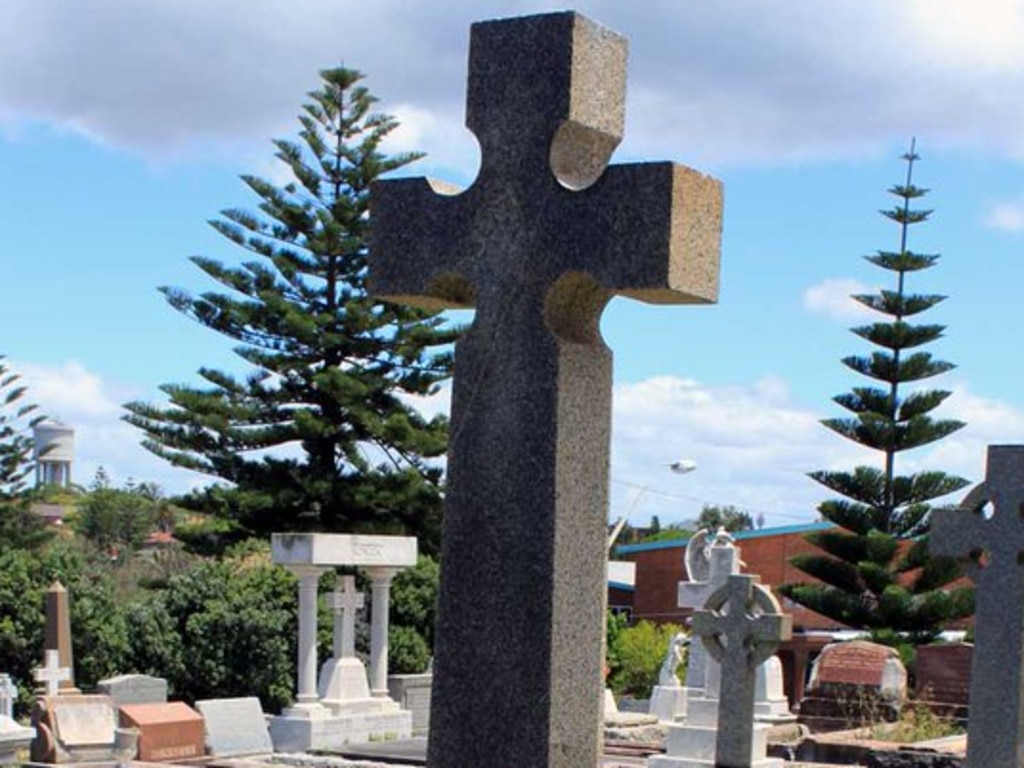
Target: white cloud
{"x":739,"y":81}
{"x":90,"y":405}
{"x":1008,"y":217}
{"x":832,"y":298}
{"x":752,"y":443}
{"x":754,"y":447}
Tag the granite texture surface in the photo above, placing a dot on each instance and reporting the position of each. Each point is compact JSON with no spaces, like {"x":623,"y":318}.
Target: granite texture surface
{"x":990,"y":522}
{"x":540,"y":242}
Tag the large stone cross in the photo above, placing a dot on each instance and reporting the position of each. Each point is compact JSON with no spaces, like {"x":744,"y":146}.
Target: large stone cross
{"x":741,"y":627}
{"x":344,"y":601}
{"x":541,"y":241}
{"x":991,"y":540}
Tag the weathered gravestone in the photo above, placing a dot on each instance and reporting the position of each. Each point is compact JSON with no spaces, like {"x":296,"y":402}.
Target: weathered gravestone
{"x":991,"y":540}
{"x":134,"y":689}
{"x":234,"y":727}
{"x":852,"y":684}
{"x":542,"y":240}
{"x":14,"y":738}
{"x":741,"y":626}
{"x":168,"y":731}
{"x":78,"y":729}
{"x":711,"y":558}
{"x":942,"y":674}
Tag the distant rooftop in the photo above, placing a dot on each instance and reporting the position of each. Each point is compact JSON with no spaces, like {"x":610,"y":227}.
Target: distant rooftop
{"x":781,"y":530}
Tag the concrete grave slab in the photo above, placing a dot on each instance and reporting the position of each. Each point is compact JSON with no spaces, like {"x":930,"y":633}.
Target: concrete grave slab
{"x":234,"y":727}
{"x":79,"y":728}
{"x":134,"y":689}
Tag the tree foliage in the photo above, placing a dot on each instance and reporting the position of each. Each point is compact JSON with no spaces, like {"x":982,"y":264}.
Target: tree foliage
{"x":713,"y":517}
{"x":320,"y":435}
{"x":413,"y":610}
{"x":117,"y":520}
{"x":18,"y":526}
{"x":225,"y":628}
{"x":873,"y":570}
{"x":635,"y":655}
{"x":98,"y":630}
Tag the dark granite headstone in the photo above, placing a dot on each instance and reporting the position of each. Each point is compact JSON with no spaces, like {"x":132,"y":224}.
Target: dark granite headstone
{"x":987,"y":531}
{"x":546,"y":235}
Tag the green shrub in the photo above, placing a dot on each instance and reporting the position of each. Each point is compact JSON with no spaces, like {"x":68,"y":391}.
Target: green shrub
{"x":638,"y":652}
{"x":408,"y":652}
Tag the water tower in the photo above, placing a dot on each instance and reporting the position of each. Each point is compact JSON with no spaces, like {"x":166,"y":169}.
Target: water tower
{"x":54,"y":452}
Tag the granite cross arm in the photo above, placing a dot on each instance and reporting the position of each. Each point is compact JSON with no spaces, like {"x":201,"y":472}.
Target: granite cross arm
{"x":992,"y":545}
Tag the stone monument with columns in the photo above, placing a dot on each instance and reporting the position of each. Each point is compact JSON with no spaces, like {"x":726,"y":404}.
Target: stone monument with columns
{"x":343,"y":706}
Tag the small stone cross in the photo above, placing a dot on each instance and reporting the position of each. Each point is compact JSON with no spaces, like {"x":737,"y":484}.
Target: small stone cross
{"x":741,"y":627}
{"x":52,"y":673}
{"x":344,"y":602}
{"x":993,"y":547}
{"x":540,"y":242}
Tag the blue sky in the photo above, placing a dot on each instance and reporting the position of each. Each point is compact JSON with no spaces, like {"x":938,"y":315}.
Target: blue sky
{"x":124,"y":127}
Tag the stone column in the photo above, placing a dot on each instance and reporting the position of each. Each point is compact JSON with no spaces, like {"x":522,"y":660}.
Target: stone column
{"x":380,"y":585}
{"x":306,"y":693}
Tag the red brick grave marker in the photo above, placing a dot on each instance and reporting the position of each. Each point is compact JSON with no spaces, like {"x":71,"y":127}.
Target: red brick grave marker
{"x":167,"y":731}
{"x":854,"y":683}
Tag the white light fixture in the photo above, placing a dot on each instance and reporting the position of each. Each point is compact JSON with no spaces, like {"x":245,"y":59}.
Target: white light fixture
{"x":683,"y":466}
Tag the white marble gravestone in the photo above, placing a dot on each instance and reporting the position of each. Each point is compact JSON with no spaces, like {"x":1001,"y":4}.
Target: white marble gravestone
{"x":741,"y":625}
{"x":14,"y":738}
{"x":234,"y":727}
{"x":343,"y":706}
{"x":668,"y":699}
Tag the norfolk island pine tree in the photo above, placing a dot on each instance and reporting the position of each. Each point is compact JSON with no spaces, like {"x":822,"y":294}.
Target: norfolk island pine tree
{"x":874,"y":571}
{"x":333,"y":369}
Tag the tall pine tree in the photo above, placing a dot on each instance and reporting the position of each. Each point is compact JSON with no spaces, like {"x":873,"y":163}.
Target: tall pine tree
{"x":320,"y":435}
{"x":19,"y":527}
{"x":874,"y":571}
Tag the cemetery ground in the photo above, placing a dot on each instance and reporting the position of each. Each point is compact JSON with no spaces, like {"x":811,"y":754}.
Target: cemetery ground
{"x":219,"y":595}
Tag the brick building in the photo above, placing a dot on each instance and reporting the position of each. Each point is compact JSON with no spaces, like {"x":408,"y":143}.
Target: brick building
{"x":766,"y":552}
